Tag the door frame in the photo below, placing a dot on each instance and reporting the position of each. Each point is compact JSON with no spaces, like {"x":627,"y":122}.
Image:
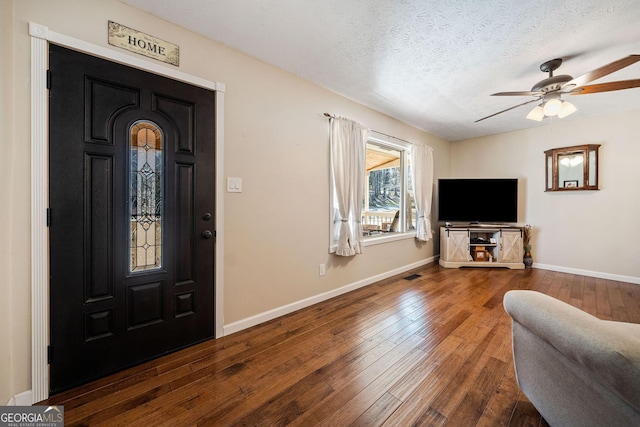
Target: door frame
{"x":41,"y":36}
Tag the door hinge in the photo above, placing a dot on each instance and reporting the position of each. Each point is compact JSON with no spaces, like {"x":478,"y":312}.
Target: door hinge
{"x":49,"y":354}
{"x":48,"y":79}
{"x":48,"y":217}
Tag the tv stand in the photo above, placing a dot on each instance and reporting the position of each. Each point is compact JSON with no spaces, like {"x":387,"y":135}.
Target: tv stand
{"x":481,"y":246}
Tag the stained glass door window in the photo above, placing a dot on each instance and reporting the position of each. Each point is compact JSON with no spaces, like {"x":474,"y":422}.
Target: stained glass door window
{"x":146,"y":198}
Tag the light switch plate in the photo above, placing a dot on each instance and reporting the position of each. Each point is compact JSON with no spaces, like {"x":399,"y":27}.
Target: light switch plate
{"x":234,"y":185}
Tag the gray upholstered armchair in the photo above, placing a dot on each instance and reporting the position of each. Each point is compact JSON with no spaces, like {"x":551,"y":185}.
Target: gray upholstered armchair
{"x":576,"y":369}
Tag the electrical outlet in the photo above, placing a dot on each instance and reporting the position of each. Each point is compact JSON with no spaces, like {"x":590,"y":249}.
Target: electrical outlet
{"x":323,"y":269}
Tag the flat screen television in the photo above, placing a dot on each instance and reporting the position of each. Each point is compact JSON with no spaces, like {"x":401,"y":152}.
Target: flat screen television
{"x":478,"y":200}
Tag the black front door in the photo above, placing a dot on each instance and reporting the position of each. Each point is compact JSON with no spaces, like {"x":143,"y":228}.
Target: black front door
{"x":132,"y":216}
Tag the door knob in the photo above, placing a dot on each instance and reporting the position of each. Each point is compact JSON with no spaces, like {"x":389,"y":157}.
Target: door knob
{"x":207,"y":234}
{"x":206,"y":216}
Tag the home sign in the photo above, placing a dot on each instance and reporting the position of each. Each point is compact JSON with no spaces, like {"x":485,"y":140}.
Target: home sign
{"x":143,"y":44}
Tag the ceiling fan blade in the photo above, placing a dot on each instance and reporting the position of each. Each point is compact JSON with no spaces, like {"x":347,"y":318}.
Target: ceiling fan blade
{"x":606,"y":87}
{"x":521,"y":93}
{"x":602,"y":71}
{"x":511,"y":108}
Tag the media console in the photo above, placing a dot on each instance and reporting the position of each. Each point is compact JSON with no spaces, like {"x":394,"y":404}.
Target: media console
{"x":481,"y":246}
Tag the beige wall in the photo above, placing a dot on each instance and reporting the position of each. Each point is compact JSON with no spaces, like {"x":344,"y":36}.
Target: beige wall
{"x":276,"y":140}
{"x":591,"y":232}
{"x":6,"y":194}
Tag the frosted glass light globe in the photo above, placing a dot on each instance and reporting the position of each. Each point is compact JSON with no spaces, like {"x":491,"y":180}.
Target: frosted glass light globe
{"x":552,"y":107}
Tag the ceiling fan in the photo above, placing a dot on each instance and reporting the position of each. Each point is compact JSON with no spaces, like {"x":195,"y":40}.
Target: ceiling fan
{"x":550,"y":90}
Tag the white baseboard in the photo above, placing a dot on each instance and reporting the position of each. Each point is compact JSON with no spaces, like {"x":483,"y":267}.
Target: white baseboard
{"x":597,"y":274}
{"x":21,"y":399}
{"x":289,"y":308}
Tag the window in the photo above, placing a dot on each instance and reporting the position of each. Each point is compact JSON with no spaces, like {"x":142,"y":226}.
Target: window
{"x":146,"y":198}
{"x":388,"y":210}
{"x":388,"y":203}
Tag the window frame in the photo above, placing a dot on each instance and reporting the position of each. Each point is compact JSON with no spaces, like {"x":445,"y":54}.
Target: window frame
{"x":404,"y":147}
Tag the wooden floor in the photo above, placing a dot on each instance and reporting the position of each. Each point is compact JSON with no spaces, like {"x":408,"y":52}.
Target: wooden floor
{"x":432,"y":350}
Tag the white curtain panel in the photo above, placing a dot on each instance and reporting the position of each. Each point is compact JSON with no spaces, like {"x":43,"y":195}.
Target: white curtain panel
{"x":422,"y":178}
{"x":348,"y":142}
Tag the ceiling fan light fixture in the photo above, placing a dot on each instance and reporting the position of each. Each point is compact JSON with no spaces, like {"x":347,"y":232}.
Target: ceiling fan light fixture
{"x":536,"y":114}
{"x":552,"y":107}
{"x":550,"y":90}
{"x":566,"y":109}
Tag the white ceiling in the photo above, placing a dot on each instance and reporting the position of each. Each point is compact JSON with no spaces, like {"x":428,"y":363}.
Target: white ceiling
{"x":430,"y":63}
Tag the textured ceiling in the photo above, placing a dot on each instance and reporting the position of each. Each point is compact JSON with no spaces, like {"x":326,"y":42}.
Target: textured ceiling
{"x":429,"y":63}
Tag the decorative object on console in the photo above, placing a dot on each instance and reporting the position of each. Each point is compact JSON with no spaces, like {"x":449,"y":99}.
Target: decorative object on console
{"x":527,"y":259}
{"x":479,"y":254}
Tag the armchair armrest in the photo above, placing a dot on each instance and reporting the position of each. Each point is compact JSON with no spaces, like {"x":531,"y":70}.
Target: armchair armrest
{"x":609,"y":351}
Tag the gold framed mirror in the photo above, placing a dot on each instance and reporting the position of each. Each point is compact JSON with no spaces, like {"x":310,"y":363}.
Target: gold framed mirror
{"x":572,"y":168}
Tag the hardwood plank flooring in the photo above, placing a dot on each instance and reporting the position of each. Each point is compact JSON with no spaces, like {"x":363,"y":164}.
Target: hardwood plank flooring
{"x":429,"y":351}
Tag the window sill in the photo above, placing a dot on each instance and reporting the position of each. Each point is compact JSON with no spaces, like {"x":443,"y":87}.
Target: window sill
{"x":390,"y":237}
{"x":371,"y":241}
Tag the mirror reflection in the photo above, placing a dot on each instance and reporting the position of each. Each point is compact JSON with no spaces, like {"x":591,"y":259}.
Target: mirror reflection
{"x":572,"y":168}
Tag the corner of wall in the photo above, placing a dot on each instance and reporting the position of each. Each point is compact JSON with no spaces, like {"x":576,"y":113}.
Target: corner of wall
{"x":21,"y":399}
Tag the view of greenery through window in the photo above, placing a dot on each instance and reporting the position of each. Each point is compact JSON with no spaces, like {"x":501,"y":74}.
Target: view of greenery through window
{"x":384,"y":189}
